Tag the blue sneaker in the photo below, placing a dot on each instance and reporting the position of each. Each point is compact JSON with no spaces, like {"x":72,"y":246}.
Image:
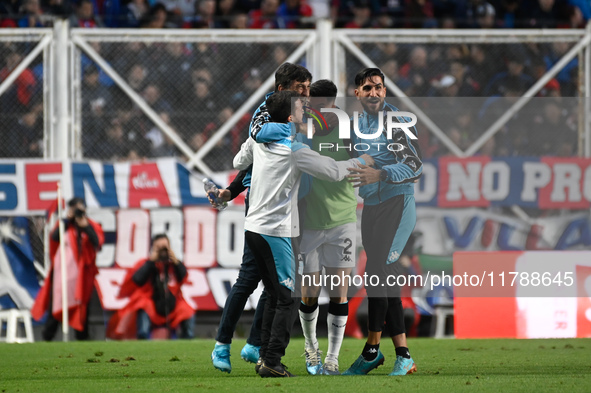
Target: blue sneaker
{"x":220,"y":357}
{"x":362,"y":366}
{"x":313,"y":361}
{"x":403,"y":366}
{"x":250,"y":353}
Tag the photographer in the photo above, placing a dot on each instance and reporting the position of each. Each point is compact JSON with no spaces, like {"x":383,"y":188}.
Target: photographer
{"x":83,"y":238}
{"x":154,"y":288}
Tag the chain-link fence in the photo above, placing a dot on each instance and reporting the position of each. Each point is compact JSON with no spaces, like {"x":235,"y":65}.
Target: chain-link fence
{"x":194,"y":87}
{"x":196,"y":83}
{"x":437,"y":70}
{"x":23,"y":101}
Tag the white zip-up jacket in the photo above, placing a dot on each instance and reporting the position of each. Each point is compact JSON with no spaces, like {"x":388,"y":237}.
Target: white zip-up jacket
{"x":276,"y":173}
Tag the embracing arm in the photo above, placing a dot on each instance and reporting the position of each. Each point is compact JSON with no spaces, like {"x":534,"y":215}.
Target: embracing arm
{"x":409,"y":166}
{"x":324,"y":168}
{"x":244,"y":157}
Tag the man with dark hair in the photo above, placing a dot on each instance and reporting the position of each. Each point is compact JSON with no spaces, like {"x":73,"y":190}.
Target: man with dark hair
{"x":272,"y":221}
{"x":388,"y":219}
{"x":329,"y":235}
{"x":293,"y":77}
{"x":83,"y":238}
{"x":287,"y":77}
{"x":153,"y":286}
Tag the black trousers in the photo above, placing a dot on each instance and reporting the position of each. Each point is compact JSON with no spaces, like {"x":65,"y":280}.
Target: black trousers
{"x":385,"y":229}
{"x":281,"y":306}
{"x":51,"y":324}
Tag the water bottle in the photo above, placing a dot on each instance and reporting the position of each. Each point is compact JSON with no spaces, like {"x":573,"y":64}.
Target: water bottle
{"x":213,"y":192}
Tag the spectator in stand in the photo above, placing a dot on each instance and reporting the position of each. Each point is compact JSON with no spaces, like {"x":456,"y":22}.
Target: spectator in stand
{"x":291,"y":13}
{"x":343,"y":11}
{"x":553,"y":132}
{"x":507,"y":13}
{"x":224,"y":13}
{"x":137,"y":77}
{"x":417,"y":71}
{"x":181,"y":10}
{"x":153,"y":286}
{"x":174,"y":73}
{"x":155,"y":135}
{"x":31,"y":11}
{"x":361,"y":15}
{"x":573,"y":18}
{"x":156,"y":18}
{"x":481,"y":67}
{"x":84,"y":16}
{"x":446,"y":86}
{"x":385,"y":50}
{"x":113,"y":145}
{"x":276,"y":55}
{"x":461,"y":131}
{"x":390,"y":70}
{"x":234,"y":137}
{"x":96,"y":103}
{"x":204,"y":17}
{"x":153,"y":96}
{"x":485,"y":16}
{"x":200,"y":106}
{"x":97,"y":97}
{"x":265,"y":17}
{"x":252,"y":80}
{"x":465,"y":12}
{"x":391,"y":13}
{"x":584,"y":6}
{"x":239,"y":20}
{"x":515,"y":69}
{"x":564,"y":76}
{"x":167,"y":149}
{"x":25,"y":139}
{"x":104,"y":79}
{"x":419,"y":14}
{"x":18,"y":98}
{"x":136,"y":128}
{"x":467,"y":87}
{"x":538,"y":14}
{"x":552,"y":88}
{"x":135,"y":10}
{"x":511,"y":139}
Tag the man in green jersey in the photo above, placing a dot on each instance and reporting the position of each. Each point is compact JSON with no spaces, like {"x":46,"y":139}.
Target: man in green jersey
{"x":328,"y":241}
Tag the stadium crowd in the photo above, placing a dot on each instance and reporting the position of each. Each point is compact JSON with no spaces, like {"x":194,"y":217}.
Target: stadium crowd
{"x":185,"y":84}
{"x":288,"y":14}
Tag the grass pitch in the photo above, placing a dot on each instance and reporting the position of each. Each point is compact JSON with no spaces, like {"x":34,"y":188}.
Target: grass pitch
{"x":183,"y":366}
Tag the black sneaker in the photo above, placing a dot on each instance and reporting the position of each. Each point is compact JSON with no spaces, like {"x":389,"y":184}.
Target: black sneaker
{"x":279,"y":371}
{"x":257,"y":366}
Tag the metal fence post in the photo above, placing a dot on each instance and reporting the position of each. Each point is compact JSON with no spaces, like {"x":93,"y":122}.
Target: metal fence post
{"x":60,"y":143}
{"x":324,"y":30}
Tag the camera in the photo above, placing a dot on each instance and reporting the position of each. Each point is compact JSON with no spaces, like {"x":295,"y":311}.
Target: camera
{"x":163,"y":254}
{"x":79,"y":213}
